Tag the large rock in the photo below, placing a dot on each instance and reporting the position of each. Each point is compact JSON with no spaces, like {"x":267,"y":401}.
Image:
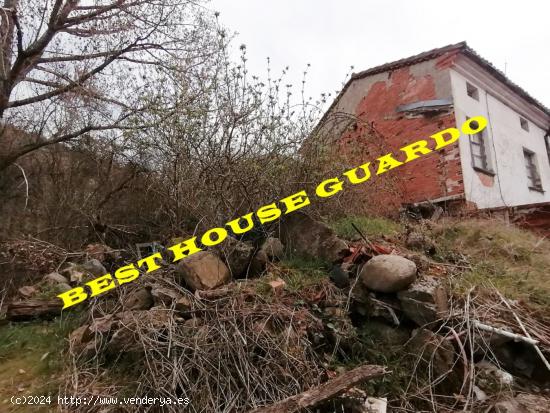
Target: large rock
{"x":94,"y":267}
{"x":433,"y":351}
{"x":424,"y":301}
{"x":236,"y":254}
{"x":273,"y":248}
{"x":203,"y":271}
{"x":388,"y":273}
{"x":303,"y":235}
{"x":258,"y":263}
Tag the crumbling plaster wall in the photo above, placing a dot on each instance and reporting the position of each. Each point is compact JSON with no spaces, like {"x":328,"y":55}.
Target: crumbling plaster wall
{"x":373,"y":100}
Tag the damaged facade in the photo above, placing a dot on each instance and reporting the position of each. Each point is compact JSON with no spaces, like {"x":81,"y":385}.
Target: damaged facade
{"x":508,"y":166}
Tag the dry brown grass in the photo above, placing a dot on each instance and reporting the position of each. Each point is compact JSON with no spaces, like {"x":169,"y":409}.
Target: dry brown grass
{"x":515,"y":261}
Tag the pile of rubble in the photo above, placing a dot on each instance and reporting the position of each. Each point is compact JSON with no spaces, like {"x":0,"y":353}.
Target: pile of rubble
{"x":221,"y":328}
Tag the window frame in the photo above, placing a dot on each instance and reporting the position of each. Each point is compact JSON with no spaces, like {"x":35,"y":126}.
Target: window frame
{"x":533,"y":174}
{"x":472,"y":91}
{"x":483,"y":156}
{"x":524,"y":124}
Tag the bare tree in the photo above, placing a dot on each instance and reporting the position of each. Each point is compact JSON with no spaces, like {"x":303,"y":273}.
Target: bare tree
{"x":75,"y":67}
{"x":233,"y":144}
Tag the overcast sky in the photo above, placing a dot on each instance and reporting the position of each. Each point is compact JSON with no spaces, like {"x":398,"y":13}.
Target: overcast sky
{"x":333,"y":35}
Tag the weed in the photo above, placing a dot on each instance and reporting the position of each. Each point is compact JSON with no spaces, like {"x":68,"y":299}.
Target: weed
{"x":369,"y":226}
{"x":514,"y":261}
{"x":31,"y":355}
{"x":300,"y":273}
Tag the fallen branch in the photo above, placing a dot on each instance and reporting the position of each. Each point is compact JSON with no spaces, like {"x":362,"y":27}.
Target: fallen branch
{"x":325,"y":391}
{"x":513,"y":336}
{"x":30,"y":309}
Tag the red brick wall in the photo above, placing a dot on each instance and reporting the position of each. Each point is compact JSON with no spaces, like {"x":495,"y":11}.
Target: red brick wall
{"x":436,"y":175}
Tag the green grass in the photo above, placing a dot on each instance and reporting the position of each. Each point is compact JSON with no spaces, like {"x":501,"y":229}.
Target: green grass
{"x":297,"y":272}
{"x":515,"y":261}
{"x":369,"y":226}
{"x":31,"y":356}
{"x":300,"y":273}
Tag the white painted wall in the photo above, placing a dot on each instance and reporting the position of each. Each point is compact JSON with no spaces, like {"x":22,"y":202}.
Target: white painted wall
{"x":506,"y":140}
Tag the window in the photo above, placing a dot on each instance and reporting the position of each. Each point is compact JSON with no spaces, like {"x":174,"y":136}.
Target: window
{"x":547,"y":142}
{"x":478,"y":150}
{"x":532,"y":171}
{"x":524,"y":124}
{"x":472,"y":91}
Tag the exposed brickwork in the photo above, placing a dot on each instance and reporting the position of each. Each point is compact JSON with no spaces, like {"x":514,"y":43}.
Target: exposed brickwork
{"x":435,"y":175}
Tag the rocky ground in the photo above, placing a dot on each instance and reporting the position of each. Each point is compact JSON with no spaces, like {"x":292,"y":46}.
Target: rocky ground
{"x":364,"y":315}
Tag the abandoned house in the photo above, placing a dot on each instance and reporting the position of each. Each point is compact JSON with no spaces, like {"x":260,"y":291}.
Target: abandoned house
{"x":506,"y":166}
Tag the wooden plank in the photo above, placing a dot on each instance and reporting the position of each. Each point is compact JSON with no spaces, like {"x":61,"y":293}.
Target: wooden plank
{"x":325,"y":391}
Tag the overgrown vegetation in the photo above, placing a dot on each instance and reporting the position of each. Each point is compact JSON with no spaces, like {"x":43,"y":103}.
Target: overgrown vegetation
{"x":369,"y":226}
{"x":33,"y":357}
{"x":491,"y":253}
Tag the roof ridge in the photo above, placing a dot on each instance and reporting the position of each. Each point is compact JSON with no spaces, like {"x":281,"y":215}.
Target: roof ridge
{"x":407,"y":61}
{"x":431,"y":54}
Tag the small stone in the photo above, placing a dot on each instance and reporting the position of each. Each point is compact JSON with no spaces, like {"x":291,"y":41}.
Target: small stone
{"x":27,"y":291}
{"x":140,"y":299}
{"x":479,"y":394}
{"x":277,"y":285}
{"x":376,"y":405}
{"x":55,"y":277}
{"x":164,"y":296}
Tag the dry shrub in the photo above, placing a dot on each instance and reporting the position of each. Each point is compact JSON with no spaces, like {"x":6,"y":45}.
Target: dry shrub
{"x":238,"y":349}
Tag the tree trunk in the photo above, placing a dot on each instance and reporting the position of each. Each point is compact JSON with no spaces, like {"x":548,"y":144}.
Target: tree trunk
{"x":31,"y":309}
